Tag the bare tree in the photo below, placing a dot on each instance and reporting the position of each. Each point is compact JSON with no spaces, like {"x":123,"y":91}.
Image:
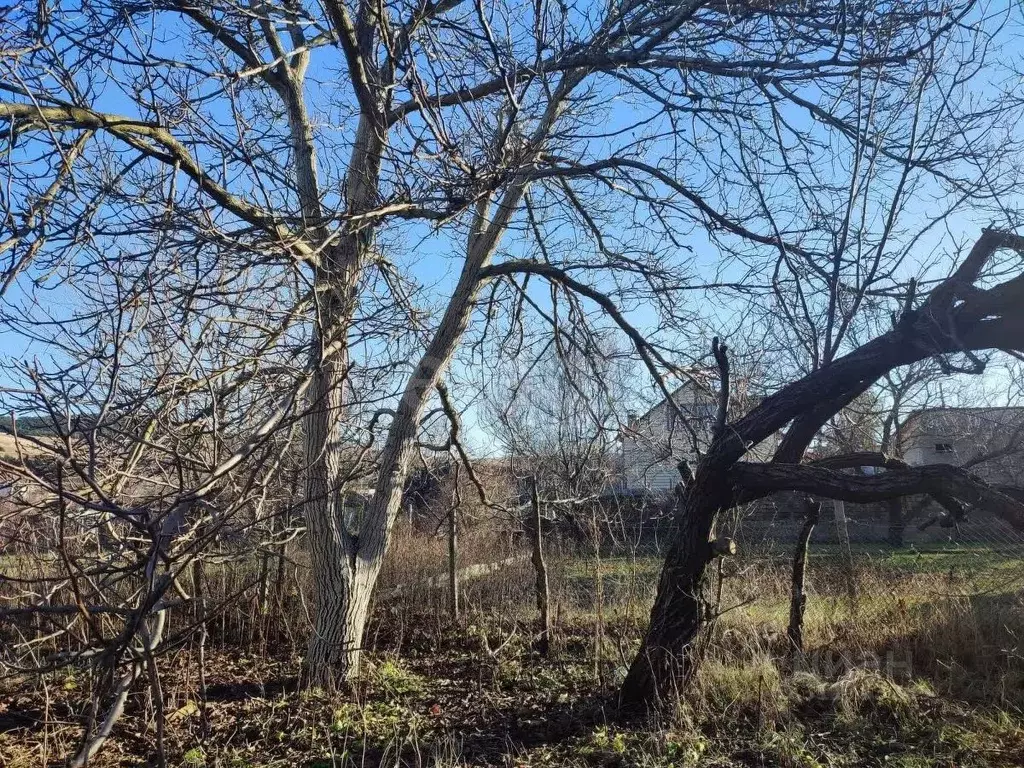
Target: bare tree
{"x":131,"y":457}
{"x":220,"y":139}
{"x":232,"y":163}
{"x":555,"y":417}
{"x":958,"y":317}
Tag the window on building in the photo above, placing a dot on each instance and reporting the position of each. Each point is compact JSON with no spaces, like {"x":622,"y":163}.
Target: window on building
{"x":943,"y":447}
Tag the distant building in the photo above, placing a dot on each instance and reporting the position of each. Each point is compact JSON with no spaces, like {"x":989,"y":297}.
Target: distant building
{"x":655,"y":442}
{"x":987,"y":441}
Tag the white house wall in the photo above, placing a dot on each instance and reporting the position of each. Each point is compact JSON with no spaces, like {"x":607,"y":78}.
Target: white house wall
{"x":651,"y":451}
{"x":971,"y":433}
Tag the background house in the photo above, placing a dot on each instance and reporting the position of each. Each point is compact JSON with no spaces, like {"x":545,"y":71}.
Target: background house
{"x":988,"y":441}
{"x":654,"y":443}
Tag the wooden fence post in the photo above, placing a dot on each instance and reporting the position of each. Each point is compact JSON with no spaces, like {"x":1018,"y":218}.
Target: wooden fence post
{"x":843,"y":532}
{"x":544,"y":638}
{"x":453,"y":549}
{"x":798,"y":596}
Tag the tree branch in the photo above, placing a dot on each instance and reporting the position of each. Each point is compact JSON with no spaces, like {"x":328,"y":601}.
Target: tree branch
{"x":933,"y":479}
{"x":721,"y":352}
{"x":158,"y":143}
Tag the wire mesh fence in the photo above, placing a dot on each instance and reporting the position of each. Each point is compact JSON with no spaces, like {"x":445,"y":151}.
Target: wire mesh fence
{"x":862,"y":562}
{"x":858,"y":563}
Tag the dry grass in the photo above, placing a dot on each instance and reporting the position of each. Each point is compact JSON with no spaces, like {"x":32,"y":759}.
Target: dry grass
{"x":13,"y":450}
{"x":903,"y":675}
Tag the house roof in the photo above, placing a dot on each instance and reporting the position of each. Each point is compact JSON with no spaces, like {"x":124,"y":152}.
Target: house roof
{"x":694,"y":376}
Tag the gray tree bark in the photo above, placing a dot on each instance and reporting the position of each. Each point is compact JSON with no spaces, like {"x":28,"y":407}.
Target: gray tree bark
{"x":346,"y":564}
{"x":340,"y":586}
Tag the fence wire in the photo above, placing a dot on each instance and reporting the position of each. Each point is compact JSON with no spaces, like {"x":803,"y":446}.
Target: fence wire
{"x":858,"y":562}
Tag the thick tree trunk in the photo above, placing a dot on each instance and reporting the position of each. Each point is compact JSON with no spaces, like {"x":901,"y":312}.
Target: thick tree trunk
{"x":666,"y":658}
{"x":339,"y":608}
{"x":341,"y":581}
{"x":346,"y":563}
{"x":680,"y":611}
{"x":332,"y":657}
{"x":335,"y":647}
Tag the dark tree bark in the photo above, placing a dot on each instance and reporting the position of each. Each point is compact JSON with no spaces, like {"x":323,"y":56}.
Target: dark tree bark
{"x":681,"y":607}
{"x":798,"y":595}
{"x":956,"y":317}
{"x":944,"y":482}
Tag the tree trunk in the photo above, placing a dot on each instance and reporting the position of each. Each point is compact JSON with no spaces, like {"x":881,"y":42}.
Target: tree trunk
{"x":341,"y":580}
{"x":544,"y":636}
{"x":798,"y":596}
{"x":335,"y":647}
{"x":665,"y":659}
{"x":262,"y":619}
{"x":345,"y":563}
{"x":595,"y":537}
{"x":199,"y":587}
{"x":263,"y":586}
{"x":333,"y":650}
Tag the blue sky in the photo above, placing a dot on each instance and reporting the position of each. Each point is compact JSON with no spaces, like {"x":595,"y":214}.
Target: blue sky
{"x":433,"y":259}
